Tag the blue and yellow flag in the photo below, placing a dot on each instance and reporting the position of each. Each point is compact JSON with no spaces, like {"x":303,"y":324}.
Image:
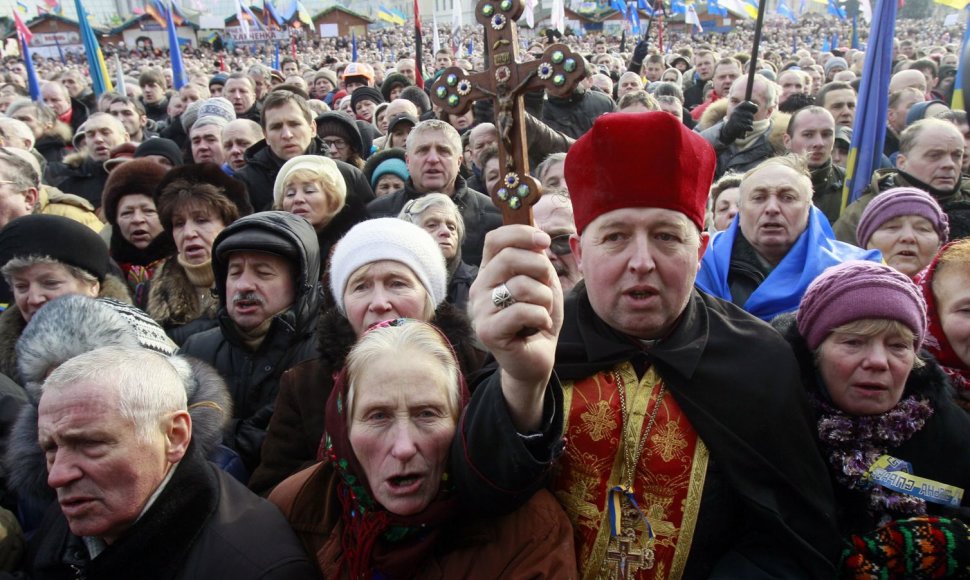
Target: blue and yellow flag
{"x":957,"y":103}
{"x":100,"y":79}
{"x":179,"y":78}
{"x":869,"y":129}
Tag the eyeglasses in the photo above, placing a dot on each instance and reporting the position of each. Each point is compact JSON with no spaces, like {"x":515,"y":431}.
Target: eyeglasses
{"x":338,"y":144}
{"x":560,"y":245}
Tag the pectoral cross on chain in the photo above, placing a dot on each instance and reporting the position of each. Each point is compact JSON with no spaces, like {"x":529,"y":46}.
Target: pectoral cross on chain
{"x":558,"y":72}
{"x":625,"y":559}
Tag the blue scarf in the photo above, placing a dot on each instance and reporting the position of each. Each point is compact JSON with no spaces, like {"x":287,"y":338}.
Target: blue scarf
{"x":814,"y":251}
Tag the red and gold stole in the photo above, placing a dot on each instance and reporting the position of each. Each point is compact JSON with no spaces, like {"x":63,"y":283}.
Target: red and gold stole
{"x":667,"y":485}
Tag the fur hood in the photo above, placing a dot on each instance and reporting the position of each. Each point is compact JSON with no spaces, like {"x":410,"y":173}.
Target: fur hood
{"x":717,"y":112}
{"x":336,"y":337}
{"x":174,"y":301}
{"x":71,"y":326}
{"x":712,"y":115}
{"x":12,"y":325}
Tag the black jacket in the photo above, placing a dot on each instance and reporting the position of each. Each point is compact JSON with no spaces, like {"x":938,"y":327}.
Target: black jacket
{"x":52,"y":147}
{"x":204,"y":524}
{"x":574,"y":115}
{"x":253,"y":377}
{"x":827,"y":182}
{"x":480,"y":214}
{"x":157,"y":112}
{"x":262,"y":167}
{"x":86,"y":179}
{"x":767,"y":507}
{"x":79,"y":114}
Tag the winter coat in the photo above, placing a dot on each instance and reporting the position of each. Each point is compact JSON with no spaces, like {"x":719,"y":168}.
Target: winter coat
{"x":956,"y":204}
{"x":477,"y":210}
{"x":79,"y":114}
{"x":297,"y":426}
{"x":937,"y":451}
{"x":203,"y":524}
{"x":81,"y":176}
{"x":827,"y":182}
{"x":460,"y":285}
{"x":262,"y":167}
{"x":12,"y":325}
{"x":52,"y":201}
{"x":535,"y":541}
{"x":732,"y":158}
{"x":178,"y":306}
{"x":157,"y":112}
{"x":53,"y":146}
{"x":253,"y":377}
{"x":574,"y":115}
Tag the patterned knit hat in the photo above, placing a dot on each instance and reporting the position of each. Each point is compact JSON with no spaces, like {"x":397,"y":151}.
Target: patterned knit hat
{"x":858,"y":290}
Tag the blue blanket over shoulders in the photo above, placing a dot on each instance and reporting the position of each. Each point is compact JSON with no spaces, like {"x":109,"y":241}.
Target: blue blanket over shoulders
{"x":814,"y":251}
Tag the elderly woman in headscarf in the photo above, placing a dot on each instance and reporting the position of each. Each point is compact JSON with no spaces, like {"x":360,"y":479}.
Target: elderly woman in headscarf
{"x":195,"y":203}
{"x":894,"y":440}
{"x":138,"y":243}
{"x":380,"y":504}
{"x":43,"y":257}
{"x":312,"y":187}
{"x":381,"y":270}
{"x":439,"y":216}
{"x":905,"y":224}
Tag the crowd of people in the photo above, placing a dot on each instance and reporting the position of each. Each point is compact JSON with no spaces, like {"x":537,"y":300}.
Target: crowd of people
{"x":270,"y":324}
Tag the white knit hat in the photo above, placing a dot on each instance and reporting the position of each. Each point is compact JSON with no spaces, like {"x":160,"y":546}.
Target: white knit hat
{"x":389,"y":239}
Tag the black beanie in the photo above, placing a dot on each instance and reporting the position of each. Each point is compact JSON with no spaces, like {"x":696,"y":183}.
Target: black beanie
{"x":52,"y":236}
{"x":365,"y":94}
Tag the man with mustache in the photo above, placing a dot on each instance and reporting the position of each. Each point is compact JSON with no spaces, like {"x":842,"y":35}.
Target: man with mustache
{"x":267,"y":273}
{"x":931,"y":153}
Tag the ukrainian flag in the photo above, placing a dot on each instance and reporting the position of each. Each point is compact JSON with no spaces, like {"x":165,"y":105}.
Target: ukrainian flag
{"x":869,"y":129}
{"x":958,"y":4}
{"x":387,"y":15}
{"x":957,"y":103}
{"x":100,"y":79}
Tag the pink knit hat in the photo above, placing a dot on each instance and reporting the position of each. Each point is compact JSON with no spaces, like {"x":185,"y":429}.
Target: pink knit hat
{"x":900,"y":201}
{"x":859,"y":290}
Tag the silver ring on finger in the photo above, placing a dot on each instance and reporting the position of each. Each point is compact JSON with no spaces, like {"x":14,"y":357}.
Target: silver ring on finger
{"x":502,"y":297}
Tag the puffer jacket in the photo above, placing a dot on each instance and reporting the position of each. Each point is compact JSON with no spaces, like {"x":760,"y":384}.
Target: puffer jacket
{"x":477,"y":210}
{"x":81,"y":176}
{"x":262,"y":167}
{"x":52,"y":201}
{"x":253,"y":377}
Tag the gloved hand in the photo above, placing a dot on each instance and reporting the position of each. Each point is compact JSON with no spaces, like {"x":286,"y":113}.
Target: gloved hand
{"x":640,"y":52}
{"x":740,"y":122}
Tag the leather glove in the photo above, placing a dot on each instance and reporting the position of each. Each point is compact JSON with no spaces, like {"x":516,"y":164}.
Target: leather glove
{"x":740,"y":122}
{"x":640,"y":52}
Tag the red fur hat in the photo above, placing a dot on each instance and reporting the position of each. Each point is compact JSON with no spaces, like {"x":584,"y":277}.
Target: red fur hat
{"x":639,"y":160}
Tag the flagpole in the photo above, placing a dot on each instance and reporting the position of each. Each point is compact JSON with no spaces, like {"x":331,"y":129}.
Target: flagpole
{"x":753,"y":63}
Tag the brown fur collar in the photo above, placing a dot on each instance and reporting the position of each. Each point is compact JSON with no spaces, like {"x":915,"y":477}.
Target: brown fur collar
{"x":173,"y":300}
{"x":12,"y":324}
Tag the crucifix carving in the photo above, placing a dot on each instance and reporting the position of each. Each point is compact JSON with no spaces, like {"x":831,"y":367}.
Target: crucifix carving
{"x":505,"y":81}
{"x":625,"y":559}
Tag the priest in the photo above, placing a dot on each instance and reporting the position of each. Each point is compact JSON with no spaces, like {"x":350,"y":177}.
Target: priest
{"x":669,"y":424}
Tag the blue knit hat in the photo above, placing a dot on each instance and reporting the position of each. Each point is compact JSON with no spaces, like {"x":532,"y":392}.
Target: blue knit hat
{"x":394,"y":166}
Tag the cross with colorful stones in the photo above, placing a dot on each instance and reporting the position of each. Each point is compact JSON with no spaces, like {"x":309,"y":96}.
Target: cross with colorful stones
{"x":558,"y":72}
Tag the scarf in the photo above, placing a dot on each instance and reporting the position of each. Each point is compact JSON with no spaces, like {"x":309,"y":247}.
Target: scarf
{"x":936,"y":342}
{"x":374,"y":541}
{"x":199,"y":275}
{"x":852,"y":443}
{"x":815,"y":250}
{"x":757,"y":130}
{"x":939,"y":194}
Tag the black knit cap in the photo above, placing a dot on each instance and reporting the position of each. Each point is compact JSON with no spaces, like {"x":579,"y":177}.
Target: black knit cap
{"x":162,"y":147}
{"x":56,"y":237}
{"x":393,"y":80}
{"x":365,"y":94}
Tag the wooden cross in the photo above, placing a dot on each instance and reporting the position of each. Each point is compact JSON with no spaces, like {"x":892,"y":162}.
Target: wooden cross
{"x":626,"y":559}
{"x":558,"y":72}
